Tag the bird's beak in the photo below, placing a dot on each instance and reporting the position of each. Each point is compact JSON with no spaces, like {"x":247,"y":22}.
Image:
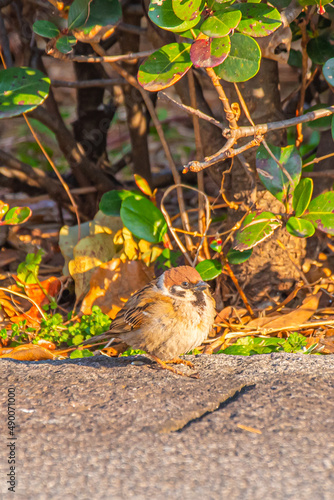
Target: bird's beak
{"x":201,"y":285}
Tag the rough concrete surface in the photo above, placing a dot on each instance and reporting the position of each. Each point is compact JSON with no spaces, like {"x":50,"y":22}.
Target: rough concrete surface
{"x":102,"y":428}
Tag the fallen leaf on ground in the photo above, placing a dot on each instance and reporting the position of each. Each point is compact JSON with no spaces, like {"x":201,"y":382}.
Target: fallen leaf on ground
{"x":28,"y":352}
{"x":292,"y":319}
{"x":113,"y":283}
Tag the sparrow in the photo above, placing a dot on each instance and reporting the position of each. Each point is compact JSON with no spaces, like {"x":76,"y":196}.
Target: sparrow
{"x":169,"y":316}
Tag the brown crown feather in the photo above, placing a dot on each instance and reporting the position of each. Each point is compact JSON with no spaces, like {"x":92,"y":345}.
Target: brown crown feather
{"x":178,"y":275}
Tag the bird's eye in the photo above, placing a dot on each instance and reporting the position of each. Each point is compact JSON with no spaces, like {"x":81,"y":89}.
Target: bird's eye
{"x":185,"y":284}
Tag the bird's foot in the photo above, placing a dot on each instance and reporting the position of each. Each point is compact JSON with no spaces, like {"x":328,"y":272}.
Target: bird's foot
{"x":165,"y":366}
{"x":179,"y":361}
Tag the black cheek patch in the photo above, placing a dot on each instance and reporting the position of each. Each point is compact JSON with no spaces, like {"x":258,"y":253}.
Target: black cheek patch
{"x":178,"y":293}
{"x":199,"y":299}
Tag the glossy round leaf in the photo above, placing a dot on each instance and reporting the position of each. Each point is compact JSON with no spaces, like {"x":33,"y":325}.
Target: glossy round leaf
{"x":302,"y":196}
{"x":243,"y":61}
{"x":271,"y":175}
{"x":102,"y":13}
{"x":143,"y":219}
{"x":78,"y":13}
{"x":328,"y":71}
{"x":257,"y":19}
{"x":236,"y":257}
{"x":65,"y":44}
{"x":46,"y":29}
{"x":209,"y":269}
{"x":165,"y":66}
{"x":21,"y":90}
{"x":256,"y":227}
{"x":187,"y":9}
{"x":221,"y":23}
{"x":16,"y":215}
{"x":4,"y":207}
{"x":210,"y":52}
{"x":300,"y":228}
{"x":320,"y":49}
{"x":162,"y":14}
{"x":321,"y":212}
{"x":111,"y":201}
{"x":320,"y":124}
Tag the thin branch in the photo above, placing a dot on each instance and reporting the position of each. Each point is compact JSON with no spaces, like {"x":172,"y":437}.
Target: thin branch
{"x":54,"y":168}
{"x":202,"y":227}
{"x":230,"y":116}
{"x":94,"y":59}
{"x":264,"y":128}
{"x":301,"y":102}
{"x":317,"y":160}
{"x":150,"y":106}
{"x":240,"y":290}
{"x":8,"y":290}
{"x":190,"y":110}
{"x":222,"y":154}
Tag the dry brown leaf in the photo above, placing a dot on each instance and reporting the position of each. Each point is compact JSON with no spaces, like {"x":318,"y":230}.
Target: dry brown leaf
{"x":113,"y":283}
{"x":28,"y":352}
{"x":292,"y":319}
{"x":51,"y":286}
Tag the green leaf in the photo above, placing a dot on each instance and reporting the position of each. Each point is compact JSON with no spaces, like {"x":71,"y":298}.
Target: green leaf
{"x":16,"y":215}
{"x":328,"y":71}
{"x":46,"y":29}
{"x":236,"y":257}
{"x":243,"y":61}
{"x":272,"y":177}
{"x":102,"y":13}
{"x":295,"y":58}
{"x":257,"y":19}
{"x":165,"y":67}
{"x":210,"y":52}
{"x":321,"y":212}
{"x":299,"y":227}
{"x":221,"y":23}
{"x":209,"y":269}
{"x":81,"y":353}
{"x":143,"y":219}
{"x":4,"y":207}
{"x":320,"y":49}
{"x":21,"y":90}
{"x":78,"y":14}
{"x":187,"y":9}
{"x":302,"y":196}
{"x":65,"y":44}
{"x":320,"y":124}
{"x":27,"y":271}
{"x":256,"y":227}
{"x":161,"y":12}
{"x":111,"y":201}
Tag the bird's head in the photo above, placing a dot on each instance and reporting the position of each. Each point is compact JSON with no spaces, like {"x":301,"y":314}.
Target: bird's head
{"x":184,"y":283}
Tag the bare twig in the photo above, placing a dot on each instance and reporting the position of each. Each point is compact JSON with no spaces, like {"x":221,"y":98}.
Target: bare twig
{"x":230,"y":116}
{"x":190,"y":110}
{"x":199,"y":156}
{"x":177,"y":178}
{"x":174,"y":231}
{"x":300,"y":107}
{"x":240,"y":290}
{"x":102,"y":59}
{"x":8,"y":290}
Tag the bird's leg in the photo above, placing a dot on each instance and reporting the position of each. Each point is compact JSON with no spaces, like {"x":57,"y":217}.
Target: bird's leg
{"x":179,"y":361}
{"x":171,"y":369}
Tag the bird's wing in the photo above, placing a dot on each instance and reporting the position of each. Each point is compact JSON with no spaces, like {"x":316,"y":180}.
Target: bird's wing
{"x":139,"y":305}
{"x":133,"y":313}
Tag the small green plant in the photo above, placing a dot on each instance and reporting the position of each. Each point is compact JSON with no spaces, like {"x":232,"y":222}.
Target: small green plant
{"x":247,"y":346}
{"x":59,"y":331}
